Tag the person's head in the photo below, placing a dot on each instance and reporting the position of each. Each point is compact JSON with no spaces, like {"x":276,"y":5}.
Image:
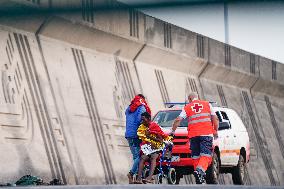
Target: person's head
{"x":142,"y":96}
{"x":145,"y":118}
{"x":192,"y":96}
{"x":137,"y":98}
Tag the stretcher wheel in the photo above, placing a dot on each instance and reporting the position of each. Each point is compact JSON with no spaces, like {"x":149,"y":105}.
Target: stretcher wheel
{"x":160,"y":179}
{"x":172,"y":176}
{"x":146,"y":172}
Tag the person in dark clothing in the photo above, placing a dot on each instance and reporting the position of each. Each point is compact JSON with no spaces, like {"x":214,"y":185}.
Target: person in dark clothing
{"x":133,"y":119}
{"x":152,"y":137}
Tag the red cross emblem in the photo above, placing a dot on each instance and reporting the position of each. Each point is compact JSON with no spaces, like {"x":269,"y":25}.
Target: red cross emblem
{"x":197,"y":107}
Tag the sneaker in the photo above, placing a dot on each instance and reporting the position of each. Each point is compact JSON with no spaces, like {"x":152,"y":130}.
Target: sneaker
{"x":130,"y":178}
{"x":199,"y":178}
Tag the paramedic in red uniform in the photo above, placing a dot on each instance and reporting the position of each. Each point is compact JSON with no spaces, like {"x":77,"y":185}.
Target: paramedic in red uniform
{"x":202,"y":126}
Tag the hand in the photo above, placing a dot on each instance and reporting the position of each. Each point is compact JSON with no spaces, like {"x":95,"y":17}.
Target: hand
{"x":172,"y":133}
{"x":215,"y":135}
{"x":147,"y":133}
{"x":169,"y":143}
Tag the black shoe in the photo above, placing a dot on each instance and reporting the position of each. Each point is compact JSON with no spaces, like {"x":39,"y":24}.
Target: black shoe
{"x":199,"y":177}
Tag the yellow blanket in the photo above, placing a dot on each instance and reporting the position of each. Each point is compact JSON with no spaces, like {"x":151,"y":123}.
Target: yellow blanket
{"x":141,"y":132}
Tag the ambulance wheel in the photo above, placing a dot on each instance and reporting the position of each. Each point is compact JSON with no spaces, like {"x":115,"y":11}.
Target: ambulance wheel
{"x":172,"y":175}
{"x":213,"y":171}
{"x":239,"y":172}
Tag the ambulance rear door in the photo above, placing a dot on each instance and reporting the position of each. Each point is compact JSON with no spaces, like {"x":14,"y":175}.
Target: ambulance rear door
{"x":227,"y":140}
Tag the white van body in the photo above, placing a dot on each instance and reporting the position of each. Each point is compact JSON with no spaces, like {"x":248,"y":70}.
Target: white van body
{"x":233,"y":139}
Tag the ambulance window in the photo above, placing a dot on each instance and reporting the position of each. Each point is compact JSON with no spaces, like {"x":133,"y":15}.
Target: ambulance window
{"x":219,"y":116}
{"x":225,"y":123}
{"x":160,"y":117}
{"x":166,"y":118}
{"x":224,"y":115}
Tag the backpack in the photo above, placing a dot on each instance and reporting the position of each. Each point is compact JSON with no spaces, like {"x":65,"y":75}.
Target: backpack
{"x":29,"y":180}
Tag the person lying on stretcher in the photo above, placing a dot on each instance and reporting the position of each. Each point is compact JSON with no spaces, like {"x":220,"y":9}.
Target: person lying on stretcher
{"x":152,"y":138}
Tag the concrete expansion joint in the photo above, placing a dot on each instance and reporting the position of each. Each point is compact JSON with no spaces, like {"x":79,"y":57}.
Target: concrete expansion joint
{"x":44,"y":23}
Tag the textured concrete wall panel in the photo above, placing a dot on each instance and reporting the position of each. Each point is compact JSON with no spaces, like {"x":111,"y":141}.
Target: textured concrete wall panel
{"x":269,"y":88}
{"x":216,"y":52}
{"x":227,"y":76}
{"x":161,"y":84}
{"x":66,"y":84}
{"x":154,"y":32}
{"x":240,"y":60}
{"x":28,"y":23}
{"x":183,"y":41}
{"x":270,"y":118}
{"x":23,"y":133}
{"x":169,"y":60}
{"x":63,"y":30}
{"x":279,"y":73}
{"x":271,"y":70}
{"x":238,"y":99}
{"x":265,"y":68}
{"x":121,"y":21}
{"x":79,"y":109}
{"x":114,"y":21}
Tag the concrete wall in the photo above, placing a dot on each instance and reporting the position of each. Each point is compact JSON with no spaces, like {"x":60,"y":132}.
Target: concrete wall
{"x":67,"y":80}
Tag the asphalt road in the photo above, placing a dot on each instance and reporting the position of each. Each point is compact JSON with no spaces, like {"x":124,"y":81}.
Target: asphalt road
{"x":154,"y":186}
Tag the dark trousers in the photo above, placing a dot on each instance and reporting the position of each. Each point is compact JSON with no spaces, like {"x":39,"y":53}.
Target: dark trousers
{"x":201,"y":152}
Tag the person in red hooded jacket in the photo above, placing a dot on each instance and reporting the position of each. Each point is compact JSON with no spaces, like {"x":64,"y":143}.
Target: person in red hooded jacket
{"x":133,"y":119}
{"x":202,"y":126}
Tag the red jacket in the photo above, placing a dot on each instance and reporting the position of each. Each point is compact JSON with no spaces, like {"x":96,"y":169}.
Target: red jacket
{"x":199,"y":118}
